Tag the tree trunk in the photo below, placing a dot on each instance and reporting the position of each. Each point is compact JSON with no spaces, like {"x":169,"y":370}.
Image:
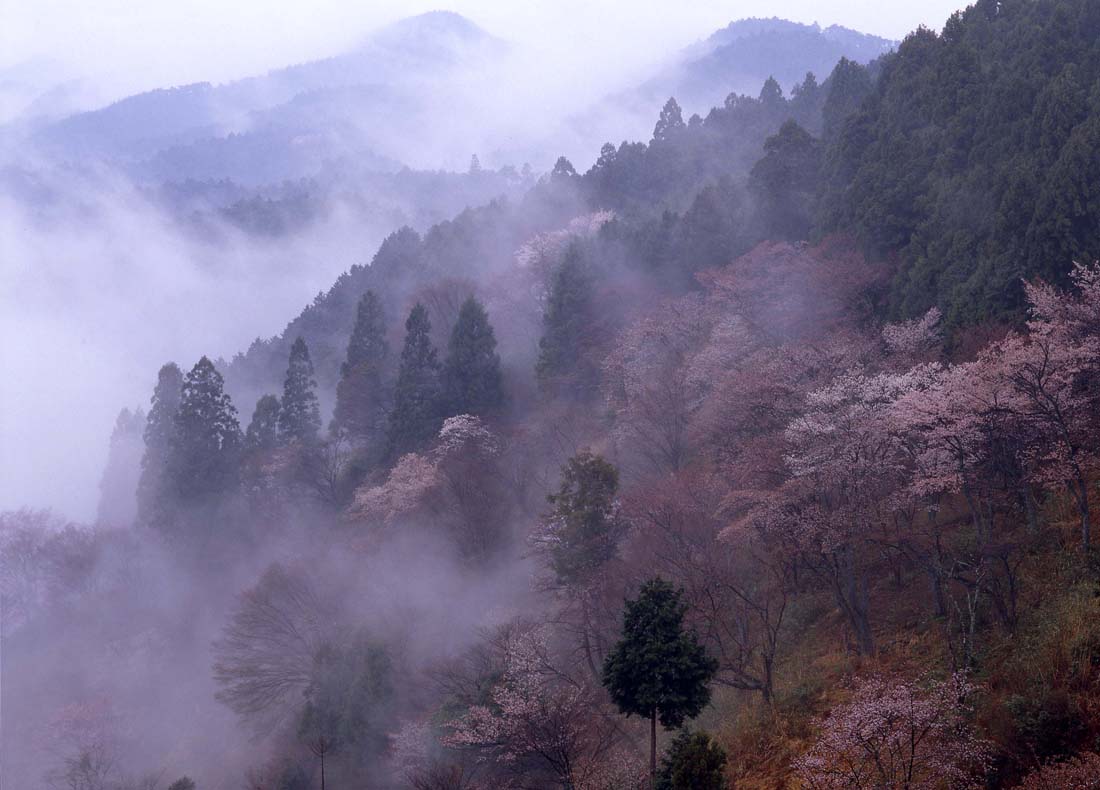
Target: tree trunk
{"x":322,"y":771}
{"x":653,"y":750}
{"x":1082,"y":496}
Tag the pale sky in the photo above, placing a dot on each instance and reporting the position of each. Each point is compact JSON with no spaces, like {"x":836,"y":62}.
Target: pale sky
{"x":125,"y":46}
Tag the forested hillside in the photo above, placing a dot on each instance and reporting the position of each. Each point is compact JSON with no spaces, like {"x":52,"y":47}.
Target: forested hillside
{"x":974,"y":161}
{"x":762,"y":454}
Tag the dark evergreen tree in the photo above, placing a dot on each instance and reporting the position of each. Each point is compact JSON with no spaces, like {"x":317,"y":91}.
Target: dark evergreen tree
{"x":159,"y":435}
{"x":121,"y":474}
{"x":785,"y":183}
{"x":471,"y":373}
{"x":669,"y":123}
{"x":360,"y":395}
{"x":849,"y":85}
{"x":205,"y":451}
{"x":584,"y":518}
{"x":713,"y":231}
{"x":567,"y":326}
{"x":563,"y":168}
{"x":658,"y":669}
{"x":771,"y":95}
{"x":263,"y":428}
{"x":416,"y":415}
{"x":693,"y":762}
{"x":300,"y":414}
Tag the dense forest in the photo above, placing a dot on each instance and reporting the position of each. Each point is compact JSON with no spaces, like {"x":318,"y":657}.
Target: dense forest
{"x":760,"y":454}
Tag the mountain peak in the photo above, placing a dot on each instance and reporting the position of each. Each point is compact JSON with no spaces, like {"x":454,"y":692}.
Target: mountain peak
{"x":445,"y":28}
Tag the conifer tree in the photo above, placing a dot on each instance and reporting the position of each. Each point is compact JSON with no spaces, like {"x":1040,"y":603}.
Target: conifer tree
{"x":299,"y":414}
{"x":471,"y":375}
{"x":416,"y":415}
{"x":206,"y":446}
{"x":585,"y":525}
{"x":263,"y":429}
{"x":118,"y":486}
{"x":657,"y":669}
{"x":566,"y":324}
{"x":693,"y":762}
{"x":360,"y":396}
{"x":849,"y":85}
{"x":159,"y":435}
{"x":669,"y":122}
{"x":771,"y":95}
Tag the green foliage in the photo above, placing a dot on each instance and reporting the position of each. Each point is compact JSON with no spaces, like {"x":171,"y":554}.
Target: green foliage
{"x":975,"y":156}
{"x":416,"y":415}
{"x":585,"y":526}
{"x":567,"y":325}
{"x":206,"y":445}
{"x":472,"y":381}
{"x":159,"y":435}
{"x":183,"y":783}
{"x":657,"y":668}
{"x":360,"y":395}
{"x":263,"y":428}
{"x":784,"y":183}
{"x":300,"y":413}
{"x":693,"y":762}
{"x":850,"y":84}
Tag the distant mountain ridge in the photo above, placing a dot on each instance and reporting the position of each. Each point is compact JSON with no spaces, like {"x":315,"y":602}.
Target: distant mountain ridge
{"x":741,"y":56}
{"x":397,"y":68}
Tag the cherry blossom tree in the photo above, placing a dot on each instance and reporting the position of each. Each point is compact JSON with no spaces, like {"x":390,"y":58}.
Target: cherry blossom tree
{"x":541,"y":722}
{"x":1077,"y":773}
{"x":893,"y":733}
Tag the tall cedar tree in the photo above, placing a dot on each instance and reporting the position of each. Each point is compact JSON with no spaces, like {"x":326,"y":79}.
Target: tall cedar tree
{"x":118,"y":486}
{"x":263,"y":428}
{"x":657,"y":669}
{"x":584,"y":518}
{"x":416,"y":416}
{"x":566,"y":325}
{"x":159,"y":435}
{"x":471,"y":375}
{"x":206,"y":447}
{"x":360,"y":395}
{"x":300,"y":414}
{"x":669,"y":123}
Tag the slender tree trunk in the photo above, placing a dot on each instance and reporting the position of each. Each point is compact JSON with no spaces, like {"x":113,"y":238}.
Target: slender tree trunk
{"x":653,"y":750}
{"x":322,"y":771}
{"x":1082,"y":496}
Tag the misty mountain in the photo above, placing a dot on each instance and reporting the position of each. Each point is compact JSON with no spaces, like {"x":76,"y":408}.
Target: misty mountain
{"x":287,"y":123}
{"x":741,"y":56}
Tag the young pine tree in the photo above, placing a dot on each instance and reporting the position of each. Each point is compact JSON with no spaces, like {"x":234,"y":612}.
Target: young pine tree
{"x":159,"y":435}
{"x":693,"y":762}
{"x":416,"y":416}
{"x":205,"y":450}
{"x":566,"y":325}
{"x":263,"y":429}
{"x":657,"y":669}
{"x":300,"y":414}
{"x":471,"y":375}
{"x":360,"y":395}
